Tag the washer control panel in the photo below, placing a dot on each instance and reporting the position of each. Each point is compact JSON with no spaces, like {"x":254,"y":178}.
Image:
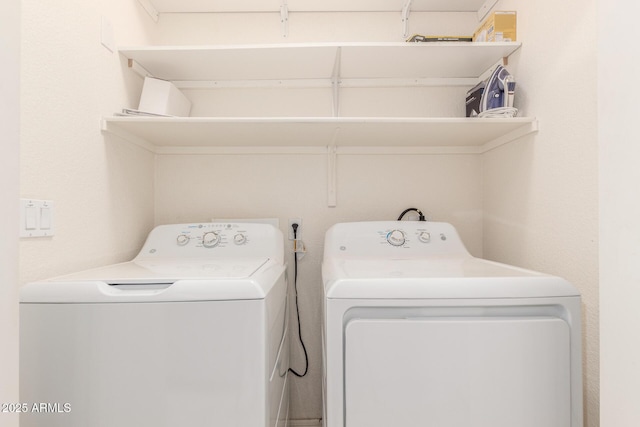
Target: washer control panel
{"x":400,"y":237}
{"x":391,"y":238}
{"x":212,"y":239}
{"x":397,"y":237}
{"x":212,"y":235}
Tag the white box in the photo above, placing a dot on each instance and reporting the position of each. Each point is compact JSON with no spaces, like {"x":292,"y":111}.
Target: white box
{"x":164,"y":98}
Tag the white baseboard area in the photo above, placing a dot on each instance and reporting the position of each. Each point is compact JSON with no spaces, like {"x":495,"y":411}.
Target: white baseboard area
{"x":305,"y":423}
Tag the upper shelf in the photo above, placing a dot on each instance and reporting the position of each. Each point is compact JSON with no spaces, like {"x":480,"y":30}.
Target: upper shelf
{"x":339,"y":64}
{"x":170,"y":6}
{"x":451,"y":60}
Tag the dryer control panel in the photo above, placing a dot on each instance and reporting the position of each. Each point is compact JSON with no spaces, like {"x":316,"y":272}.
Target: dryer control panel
{"x":237,"y":240}
{"x":386,"y":239}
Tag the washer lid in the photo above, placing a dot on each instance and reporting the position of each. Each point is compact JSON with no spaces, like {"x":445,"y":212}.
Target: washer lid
{"x":438,"y":277}
{"x":160,"y":281}
{"x":432,"y":267}
{"x":169,"y":270}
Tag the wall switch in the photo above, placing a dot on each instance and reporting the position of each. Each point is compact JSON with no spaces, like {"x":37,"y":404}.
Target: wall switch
{"x":45,"y":218}
{"x":290,"y":228}
{"x":30,"y":218}
{"x":36,"y":218}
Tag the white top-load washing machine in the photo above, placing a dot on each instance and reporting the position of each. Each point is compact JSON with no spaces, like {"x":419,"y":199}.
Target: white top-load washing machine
{"x":417,"y":332}
{"x":192,"y":332}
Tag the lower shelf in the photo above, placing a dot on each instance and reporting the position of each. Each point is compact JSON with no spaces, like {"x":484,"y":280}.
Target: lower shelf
{"x":167,"y":135}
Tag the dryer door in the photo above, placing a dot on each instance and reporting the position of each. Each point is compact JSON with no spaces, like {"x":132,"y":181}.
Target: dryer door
{"x":457,"y":372}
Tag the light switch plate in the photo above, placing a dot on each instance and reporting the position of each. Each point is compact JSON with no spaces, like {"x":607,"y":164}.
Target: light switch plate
{"x":36,"y":218}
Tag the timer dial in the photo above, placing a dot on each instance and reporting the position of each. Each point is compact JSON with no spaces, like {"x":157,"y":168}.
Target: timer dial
{"x":396,"y":238}
{"x":210,"y":239}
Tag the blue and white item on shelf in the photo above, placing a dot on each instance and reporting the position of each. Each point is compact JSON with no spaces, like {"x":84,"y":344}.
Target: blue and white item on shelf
{"x":497,"y":98}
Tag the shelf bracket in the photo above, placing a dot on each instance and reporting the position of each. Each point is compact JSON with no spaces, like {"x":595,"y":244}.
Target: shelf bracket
{"x":331,"y":176}
{"x":150,"y":9}
{"x":485,"y":9}
{"x":406,"y":11}
{"x":332,"y":171}
{"x":284,"y":18}
{"x":335,"y":83}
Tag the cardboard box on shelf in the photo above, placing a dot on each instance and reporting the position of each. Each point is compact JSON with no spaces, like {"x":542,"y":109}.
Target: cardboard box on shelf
{"x":163,"y":98}
{"x":500,"y":26}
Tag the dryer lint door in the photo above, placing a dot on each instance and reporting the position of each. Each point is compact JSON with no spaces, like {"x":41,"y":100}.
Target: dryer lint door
{"x":457,"y":372}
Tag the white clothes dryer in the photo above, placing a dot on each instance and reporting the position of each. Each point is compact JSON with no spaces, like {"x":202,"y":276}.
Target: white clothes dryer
{"x":192,"y":332}
{"x":417,"y":332}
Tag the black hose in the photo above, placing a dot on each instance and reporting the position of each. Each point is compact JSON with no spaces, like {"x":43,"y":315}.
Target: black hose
{"x":420,"y":214}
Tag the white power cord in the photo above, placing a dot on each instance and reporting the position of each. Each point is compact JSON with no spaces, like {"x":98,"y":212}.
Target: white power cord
{"x":501,"y":112}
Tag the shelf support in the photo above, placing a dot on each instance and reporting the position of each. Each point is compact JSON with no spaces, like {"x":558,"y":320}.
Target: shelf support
{"x":284,"y":18}
{"x":150,"y":9}
{"x":335,"y":83}
{"x":406,"y":11}
{"x":485,"y":9}
{"x":332,"y":171}
{"x":331,"y":176}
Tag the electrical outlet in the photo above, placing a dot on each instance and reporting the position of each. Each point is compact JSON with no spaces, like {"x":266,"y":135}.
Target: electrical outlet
{"x":290,"y":228}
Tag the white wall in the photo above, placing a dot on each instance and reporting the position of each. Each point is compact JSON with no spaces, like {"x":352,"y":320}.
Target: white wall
{"x":540,"y":194}
{"x":10,"y":137}
{"x":102,"y":187}
{"x":619,"y":140}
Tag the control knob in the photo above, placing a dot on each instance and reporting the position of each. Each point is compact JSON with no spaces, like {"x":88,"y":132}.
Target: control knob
{"x":239,"y":239}
{"x":210,"y":239}
{"x":182,"y":239}
{"x":396,"y":238}
{"x":424,"y":237}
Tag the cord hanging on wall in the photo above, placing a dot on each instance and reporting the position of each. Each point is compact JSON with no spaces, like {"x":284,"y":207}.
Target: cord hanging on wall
{"x":420,"y":214}
{"x":299,"y":251}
